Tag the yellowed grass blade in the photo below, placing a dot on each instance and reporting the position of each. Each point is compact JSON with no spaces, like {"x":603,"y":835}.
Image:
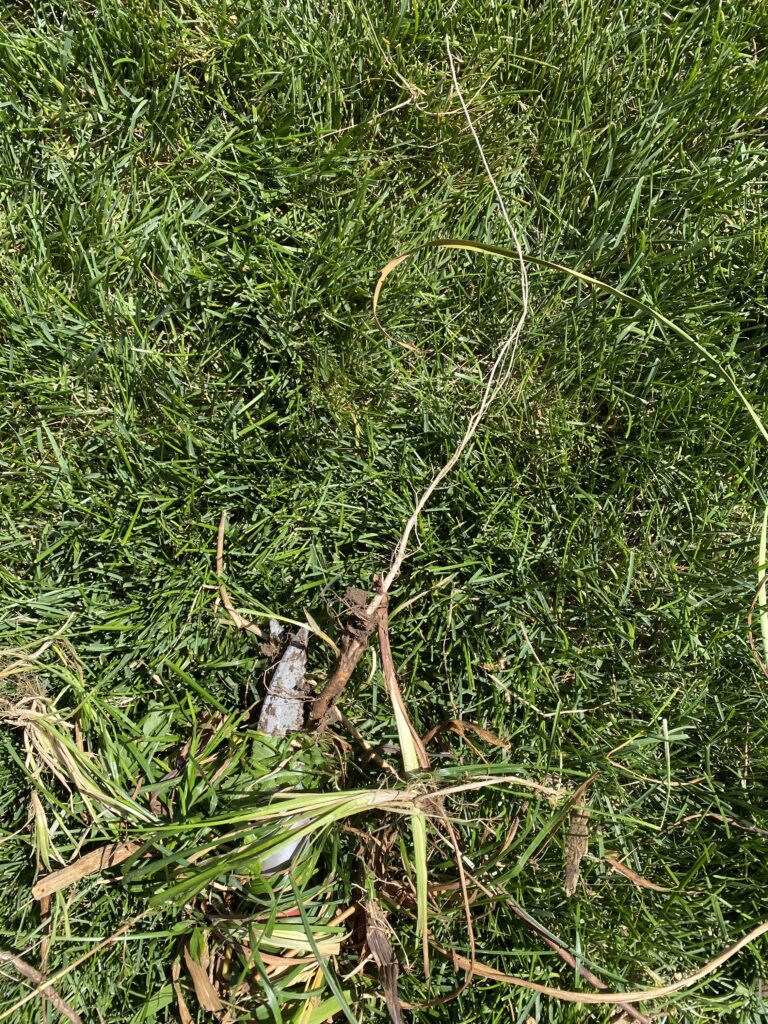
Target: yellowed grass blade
{"x":415,"y":758}
{"x":321,"y":633}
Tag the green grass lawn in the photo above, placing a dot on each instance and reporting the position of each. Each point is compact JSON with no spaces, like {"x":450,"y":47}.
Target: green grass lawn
{"x":195,"y":202}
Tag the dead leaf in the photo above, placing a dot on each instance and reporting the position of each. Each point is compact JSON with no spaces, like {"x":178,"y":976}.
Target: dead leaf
{"x":207,"y":996}
{"x":185,"y":1017}
{"x":155,"y":805}
{"x":97,"y":860}
{"x":384,"y":956}
{"x":576,"y":844}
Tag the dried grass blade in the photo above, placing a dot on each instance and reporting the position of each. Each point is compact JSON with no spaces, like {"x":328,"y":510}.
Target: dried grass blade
{"x":461,"y":728}
{"x":238,"y":620}
{"x":384,"y":956}
{"x":467,"y":245}
{"x":45,"y":989}
{"x":207,"y":996}
{"x":612,"y":998}
{"x":640,"y":882}
{"x":185,"y":1017}
{"x":105,"y":857}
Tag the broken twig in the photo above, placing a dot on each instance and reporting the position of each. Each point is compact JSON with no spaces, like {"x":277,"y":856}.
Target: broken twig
{"x":361,"y":622}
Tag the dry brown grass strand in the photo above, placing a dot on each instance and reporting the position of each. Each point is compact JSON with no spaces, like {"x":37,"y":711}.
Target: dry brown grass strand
{"x":45,"y":989}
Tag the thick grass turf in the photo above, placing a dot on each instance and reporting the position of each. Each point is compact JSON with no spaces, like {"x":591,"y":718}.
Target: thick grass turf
{"x":195,"y":201}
